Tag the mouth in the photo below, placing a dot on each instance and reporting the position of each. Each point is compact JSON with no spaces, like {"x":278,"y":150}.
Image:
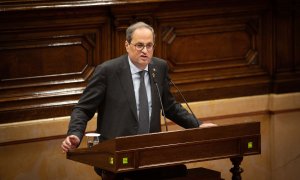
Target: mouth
{"x":144,"y":57}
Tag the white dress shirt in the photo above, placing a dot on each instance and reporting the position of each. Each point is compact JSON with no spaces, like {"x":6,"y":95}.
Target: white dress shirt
{"x":136,"y":85}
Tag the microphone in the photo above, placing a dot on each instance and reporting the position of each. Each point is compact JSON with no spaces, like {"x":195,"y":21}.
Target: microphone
{"x":153,"y":74}
{"x":185,"y":101}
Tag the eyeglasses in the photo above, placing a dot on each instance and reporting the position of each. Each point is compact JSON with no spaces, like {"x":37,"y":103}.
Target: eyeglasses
{"x":141,"y":46}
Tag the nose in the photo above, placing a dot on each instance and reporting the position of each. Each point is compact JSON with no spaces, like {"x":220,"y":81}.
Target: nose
{"x":144,"y":50}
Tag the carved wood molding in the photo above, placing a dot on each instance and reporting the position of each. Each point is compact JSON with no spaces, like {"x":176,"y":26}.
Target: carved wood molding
{"x":215,"y":48}
{"x":46,"y":66}
{"x":216,"y":56}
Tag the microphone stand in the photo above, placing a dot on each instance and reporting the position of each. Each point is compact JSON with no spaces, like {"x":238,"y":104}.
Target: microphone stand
{"x":162,"y":107}
{"x":185,"y":101}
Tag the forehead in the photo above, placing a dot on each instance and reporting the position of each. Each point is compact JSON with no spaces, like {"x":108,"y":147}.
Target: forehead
{"x":142,"y":35}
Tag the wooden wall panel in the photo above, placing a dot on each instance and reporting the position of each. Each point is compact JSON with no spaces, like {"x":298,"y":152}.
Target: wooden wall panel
{"x":46,"y":63}
{"x":215,"y":48}
{"x":218,"y":53}
{"x":296,"y":30}
{"x":286,"y":47}
{"x":52,"y":56}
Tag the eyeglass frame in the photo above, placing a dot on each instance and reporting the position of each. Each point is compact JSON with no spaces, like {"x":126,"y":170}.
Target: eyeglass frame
{"x":138,"y":49}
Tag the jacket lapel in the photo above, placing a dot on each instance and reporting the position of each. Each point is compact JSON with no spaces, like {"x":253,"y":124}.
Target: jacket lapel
{"x":127,"y":84}
{"x":154,"y":96}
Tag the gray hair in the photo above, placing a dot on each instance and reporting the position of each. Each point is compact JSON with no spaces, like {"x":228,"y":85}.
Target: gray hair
{"x":133,"y":27}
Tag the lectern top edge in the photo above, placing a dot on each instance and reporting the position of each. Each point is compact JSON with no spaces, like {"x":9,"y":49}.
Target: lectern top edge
{"x":180,"y":136}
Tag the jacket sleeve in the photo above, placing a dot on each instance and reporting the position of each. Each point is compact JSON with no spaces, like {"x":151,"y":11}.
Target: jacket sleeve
{"x":88,"y":104}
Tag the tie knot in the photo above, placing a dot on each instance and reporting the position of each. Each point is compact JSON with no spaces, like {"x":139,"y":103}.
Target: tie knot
{"x":142,"y":73}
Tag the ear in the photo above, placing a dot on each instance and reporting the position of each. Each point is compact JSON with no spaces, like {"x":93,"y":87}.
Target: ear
{"x":127,"y":45}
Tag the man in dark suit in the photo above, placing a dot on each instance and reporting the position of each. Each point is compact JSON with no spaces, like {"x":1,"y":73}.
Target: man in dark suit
{"x":114,"y":92}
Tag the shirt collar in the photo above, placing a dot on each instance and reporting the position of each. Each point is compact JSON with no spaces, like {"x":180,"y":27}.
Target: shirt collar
{"x":135,"y":69}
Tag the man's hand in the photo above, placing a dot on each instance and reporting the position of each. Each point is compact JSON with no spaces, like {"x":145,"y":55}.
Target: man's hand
{"x":208,"y":125}
{"x":71,"y":142}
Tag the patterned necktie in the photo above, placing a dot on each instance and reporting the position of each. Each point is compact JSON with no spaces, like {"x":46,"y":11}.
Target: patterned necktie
{"x":143,"y":106}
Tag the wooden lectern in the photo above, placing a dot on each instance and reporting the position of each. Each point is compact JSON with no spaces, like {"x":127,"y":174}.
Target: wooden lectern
{"x":131,"y":153}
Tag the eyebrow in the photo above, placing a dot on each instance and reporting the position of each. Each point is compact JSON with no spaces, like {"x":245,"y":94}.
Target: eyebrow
{"x":143,"y":43}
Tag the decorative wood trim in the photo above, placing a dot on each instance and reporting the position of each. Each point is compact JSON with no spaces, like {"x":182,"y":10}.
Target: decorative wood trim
{"x":247,"y":48}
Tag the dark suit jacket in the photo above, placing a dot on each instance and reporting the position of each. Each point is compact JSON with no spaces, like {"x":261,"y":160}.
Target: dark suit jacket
{"x":110,"y":92}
